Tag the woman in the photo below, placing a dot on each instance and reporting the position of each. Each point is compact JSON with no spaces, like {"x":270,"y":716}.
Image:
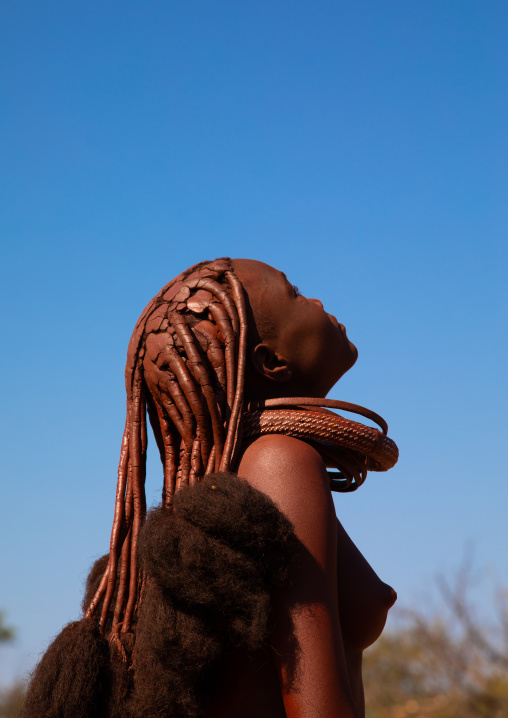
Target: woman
{"x":238,"y":597}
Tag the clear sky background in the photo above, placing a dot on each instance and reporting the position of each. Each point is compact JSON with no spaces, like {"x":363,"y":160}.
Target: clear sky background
{"x":358,"y":146}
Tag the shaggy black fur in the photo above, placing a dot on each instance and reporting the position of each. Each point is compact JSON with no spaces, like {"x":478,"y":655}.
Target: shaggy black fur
{"x":72,"y":676}
{"x":211,"y":563}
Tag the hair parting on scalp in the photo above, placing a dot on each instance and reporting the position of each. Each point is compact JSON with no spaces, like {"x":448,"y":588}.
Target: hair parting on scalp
{"x":186,"y":367}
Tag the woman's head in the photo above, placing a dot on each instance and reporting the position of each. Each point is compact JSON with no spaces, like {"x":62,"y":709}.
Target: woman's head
{"x":219,"y":331}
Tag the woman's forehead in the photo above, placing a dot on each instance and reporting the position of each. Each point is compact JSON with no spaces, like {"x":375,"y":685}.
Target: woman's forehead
{"x":252,"y":272}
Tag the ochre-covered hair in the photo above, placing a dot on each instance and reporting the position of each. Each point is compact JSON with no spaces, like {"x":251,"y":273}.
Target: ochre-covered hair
{"x":186,"y":367}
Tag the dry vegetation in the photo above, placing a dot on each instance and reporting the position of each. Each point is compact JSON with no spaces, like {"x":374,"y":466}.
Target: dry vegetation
{"x":444,"y":664}
{"x":11,"y":698}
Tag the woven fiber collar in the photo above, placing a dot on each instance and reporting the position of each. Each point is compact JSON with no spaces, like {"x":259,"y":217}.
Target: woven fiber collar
{"x":348,"y":446}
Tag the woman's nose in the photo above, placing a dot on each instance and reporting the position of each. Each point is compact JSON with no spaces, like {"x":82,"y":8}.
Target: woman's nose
{"x":317,"y":301}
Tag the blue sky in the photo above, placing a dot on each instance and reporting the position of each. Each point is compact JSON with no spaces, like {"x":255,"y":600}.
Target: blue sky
{"x":359,"y":147}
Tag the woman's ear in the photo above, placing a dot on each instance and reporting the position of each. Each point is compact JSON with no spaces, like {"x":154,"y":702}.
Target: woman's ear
{"x":268,"y":364}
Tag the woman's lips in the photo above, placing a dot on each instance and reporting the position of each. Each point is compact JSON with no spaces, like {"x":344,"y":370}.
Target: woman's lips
{"x":340,"y":326}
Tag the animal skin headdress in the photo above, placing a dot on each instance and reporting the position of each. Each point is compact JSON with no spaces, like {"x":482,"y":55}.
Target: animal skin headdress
{"x":186,"y":368}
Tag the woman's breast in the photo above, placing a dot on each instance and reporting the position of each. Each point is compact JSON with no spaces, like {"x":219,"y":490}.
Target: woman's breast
{"x":364,"y":600}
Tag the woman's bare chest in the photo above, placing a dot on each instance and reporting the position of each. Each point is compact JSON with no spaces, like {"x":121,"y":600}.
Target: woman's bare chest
{"x":364,"y":600}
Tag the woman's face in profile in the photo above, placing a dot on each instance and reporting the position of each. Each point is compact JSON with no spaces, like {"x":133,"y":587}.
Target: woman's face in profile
{"x":312,"y":341}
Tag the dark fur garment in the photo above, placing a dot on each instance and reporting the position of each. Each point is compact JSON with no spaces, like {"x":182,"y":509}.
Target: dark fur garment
{"x":211,"y":563}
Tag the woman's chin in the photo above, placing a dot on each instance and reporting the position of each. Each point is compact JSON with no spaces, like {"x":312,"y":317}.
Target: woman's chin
{"x":346,"y":364}
{"x":354,"y":353}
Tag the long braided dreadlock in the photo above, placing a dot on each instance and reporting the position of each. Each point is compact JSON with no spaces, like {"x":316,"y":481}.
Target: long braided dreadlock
{"x":186,"y":366}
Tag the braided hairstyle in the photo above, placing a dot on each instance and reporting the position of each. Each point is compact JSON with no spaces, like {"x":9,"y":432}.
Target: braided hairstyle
{"x":185,"y":367}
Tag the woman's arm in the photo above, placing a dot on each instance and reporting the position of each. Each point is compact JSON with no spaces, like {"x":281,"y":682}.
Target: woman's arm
{"x":294,"y":476}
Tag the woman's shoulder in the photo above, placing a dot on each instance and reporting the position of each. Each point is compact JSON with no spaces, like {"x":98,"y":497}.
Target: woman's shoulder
{"x":282,"y":458}
{"x":293,"y":475}
{"x":279,"y":447}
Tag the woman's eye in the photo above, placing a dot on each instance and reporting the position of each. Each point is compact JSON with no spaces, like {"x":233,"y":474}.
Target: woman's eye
{"x":296,"y":290}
